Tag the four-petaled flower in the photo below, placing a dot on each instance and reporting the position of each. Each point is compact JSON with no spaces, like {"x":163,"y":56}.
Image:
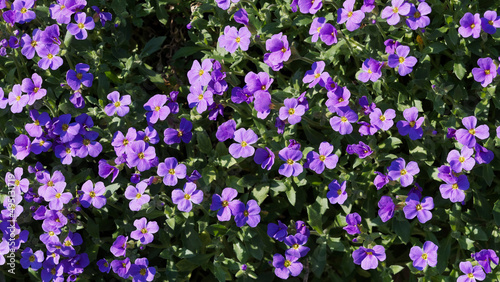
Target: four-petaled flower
{"x":145,"y":230}
{"x":399,"y":170}
{"x":185,"y":199}
{"x":369,"y":258}
{"x":243,"y":149}
{"x":427,"y":255}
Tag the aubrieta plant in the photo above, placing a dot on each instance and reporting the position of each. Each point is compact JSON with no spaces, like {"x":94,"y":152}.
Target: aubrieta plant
{"x":249,"y":140}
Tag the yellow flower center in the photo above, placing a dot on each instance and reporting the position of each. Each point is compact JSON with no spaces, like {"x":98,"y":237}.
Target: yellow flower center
{"x":157,"y":108}
{"x":412,"y":123}
{"x":17,"y":182}
{"x":243,"y":144}
{"x":51,"y":233}
{"x":179,"y":133}
{"x":238,"y":39}
{"x":318,"y":29}
{"x":341,"y":99}
{"x":291,"y":111}
{"x":343,"y":119}
{"x":349,"y":14}
{"x":322,"y":158}
{"x":81,"y":26}
{"x":106,"y":264}
{"x":142,"y":271}
{"x":50,"y":183}
{"x":58,"y":195}
{"x":200,"y":97}
{"x":461,"y":159}
{"x":369,"y":71}
{"x":124,"y":265}
{"x":317,"y":75}
{"x":53,"y":271}
{"x":125,"y":142}
{"x":32,"y":258}
{"x":419,"y":207}
{"x":424,"y":256}
{"x":283,"y":50}
{"x":369,"y":253}
{"x":42,"y":142}
{"x":201,"y":72}
{"x":290,"y":161}
{"x":146,"y":139}
{"x":245,"y":213}
{"x":18,"y":98}
{"x":92,"y":194}
{"x":339,"y":192}
{"x":144,"y":231}
{"x":416,"y":15}
{"x":487,"y":72}
{"x":382,"y":117}
{"x":263,"y":87}
{"x":401,"y":60}
{"x":225,"y":204}
{"x":490,"y":22}
{"x":403,"y":171}
{"x":68,"y":150}
{"x":67,"y":243}
{"x":295,"y":246}
{"x":472,"y":26}
{"x":140,"y":155}
{"x":34,"y":43}
{"x":117,"y":104}
{"x":62,"y":7}
{"x":187,"y":196}
{"x":171,"y":171}
{"x":50,"y":56}
{"x":64,"y":127}
{"x":86,"y":142}
{"x":287,"y":263}
{"x":454,"y":186}
{"x":470,"y":275}
{"x":24,"y":10}
{"x":472,"y":131}
{"x":395,"y":10}
{"x":79,"y":75}
{"x":138,"y":196}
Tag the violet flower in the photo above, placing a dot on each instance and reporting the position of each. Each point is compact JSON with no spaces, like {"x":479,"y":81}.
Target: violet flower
{"x":337,"y":193}
{"x":93,"y":195}
{"x":184,"y":199}
{"x":490,"y":22}
{"x":412,"y":125}
{"x":399,"y":170}
{"x":392,"y":14}
{"x":106,"y":170}
{"x":454,"y":188}
{"x":347,"y":15}
{"x":325,"y":158}
{"x":292,"y":111}
{"x":427,"y":255}
{"x":277,"y":231}
{"x":361,"y":149}
{"x":249,"y":214}
{"x":485,"y":257}
{"x":224,"y":204}
{"x":17,"y":100}
{"x":49,"y":57}
{"x":316,"y":74}
{"x":145,"y":230}
{"x":244,"y":137}
{"x":137,"y":196}
{"x":316,"y":26}
{"x":369,"y":258}
{"x":173,"y":136}
{"x":328,"y":34}
{"x":83,"y":23}
{"x":199,"y":98}
{"x":382,"y":121}
{"x":234,"y":38}
{"x":386,"y":208}
{"x":291,"y":165}
{"x":308,"y":6}
{"x":371,"y":70}
{"x":420,"y":209}
{"x":467,"y":137}
{"x":353,"y":223}
{"x":418,"y":16}
{"x":471,"y":274}
{"x":171,"y":171}
{"x":199,"y":75}
{"x":342,"y":123}
{"x":286,"y":267}
{"x":264,"y":157}
{"x":156,"y":108}
{"x":470,"y":25}
{"x":21,"y":147}
{"x":401,"y":60}
{"x":241,"y":16}
{"x":296,"y":243}
{"x":33,"y":87}
{"x":462,"y":160}
{"x":486,"y":71}
{"x":280,"y":51}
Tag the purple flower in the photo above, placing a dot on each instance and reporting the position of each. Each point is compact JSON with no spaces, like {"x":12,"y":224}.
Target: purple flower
{"x":316,"y":74}
{"x":62,"y":11}
{"x":337,"y":98}
{"x":399,"y":170}
{"x":277,"y":231}
{"x":353,"y":223}
{"x":347,"y":15}
{"x":302,"y":228}
{"x":291,"y":165}
{"x":470,"y":25}
{"x":412,"y":125}
{"x":249,"y":213}
{"x":57,"y":197}
{"x":368,"y":6}
{"x":419,"y":18}
{"x":118,"y":105}
{"x":454,"y":188}
{"x":371,"y":70}
{"x":173,"y":136}
{"x":137,"y":196}
{"x":325,"y":158}
{"x":119,"y":247}
{"x":483,"y":155}
{"x":316,"y":26}
{"x":467,"y":137}
{"x":199,"y":98}
{"x":33,"y":87}
{"x":419,"y":209}
{"x":145,"y":230}
{"x":462,"y":160}
{"x":342,"y":123}
{"x":241,"y":16}
{"x":93,"y":195}
{"x":308,"y":6}
{"x":422,"y":257}
{"x":156,"y":108}
{"x":292,"y":111}
{"x":30,"y":45}
{"x":486,"y":71}
{"x":103,"y":16}
{"x":83,"y":23}
{"x":76,"y":78}
{"x":401,"y":60}
{"x":367,"y":107}
{"x":103,"y":266}
{"x":392,"y":14}
{"x":141,"y":272}
{"x":380,"y":180}
{"x":121,"y":267}
{"x":490,"y":22}
{"x":184,"y":199}
{"x":234,"y":38}
{"x":23,"y":15}
{"x":3,"y":100}
{"x":226,"y":130}
{"x":171,"y":171}
{"x":17,"y":100}
{"x":200,"y":74}
{"x":224,"y":4}
{"x":51,"y":36}
{"x":49,"y":57}
{"x":361,"y":149}
{"x":471,"y":274}
{"x":262,"y":103}
{"x":280,"y":51}
{"x":22,"y":147}
{"x":35,"y":129}
{"x":140,"y":155}
{"x":244,"y":137}
{"x":382,"y":121}
{"x":369,"y":258}
{"x":328,"y":34}
{"x":386,"y":208}
{"x":31,"y":259}
{"x":484,"y":257}
{"x":16,"y":180}
{"x":296,"y":242}
{"x":337,"y":193}
{"x":224,"y":204}
{"x":106,"y":170}
{"x":264,"y":157}
{"x":285,"y":267}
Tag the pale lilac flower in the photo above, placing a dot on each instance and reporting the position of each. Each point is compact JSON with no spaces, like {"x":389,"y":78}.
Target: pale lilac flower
{"x":392,"y":14}
{"x":17,"y":100}
{"x":462,"y":160}
{"x":467,"y":137}
{"x":399,"y":170}
{"x":83,"y":23}
{"x":402,"y":61}
{"x":471,"y":274}
{"x":420,"y":209}
{"x":470,"y":25}
{"x":418,"y":16}
{"x":184,"y":199}
{"x":234,"y":38}
{"x":371,"y":70}
{"x":382,"y":121}
{"x":118,"y":105}
{"x":337,"y":193}
{"x":292,"y":111}
{"x":200,"y":74}
{"x":316,"y":27}
{"x":427,"y":255}
{"x":316,"y":74}
{"x":145,"y":230}
{"x":490,"y":22}
{"x":342,"y":123}
{"x":242,"y":149}
{"x":486,"y":71}
{"x":349,"y":16}
{"x":310,"y":6}
{"x":171,"y":171}
{"x":369,"y":258}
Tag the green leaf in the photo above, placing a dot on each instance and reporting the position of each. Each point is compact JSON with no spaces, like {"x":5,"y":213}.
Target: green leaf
{"x":260,"y":192}
{"x":204,"y":143}
{"x":459,"y":69}
{"x":152,"y":46}
{"x":290,"y":194}
{"x":402,"y":229}
{"x":318,"y":260}
{"x":187,"y":51}
{"x":314,"y":215}
{"x":496,"y":212}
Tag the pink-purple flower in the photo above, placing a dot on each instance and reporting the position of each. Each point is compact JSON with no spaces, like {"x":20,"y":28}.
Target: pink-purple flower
{"x":402,"y":61}
{"x":454,"y":188}
{"x":369,"y":258}
{"x":83,"y":23}
{"x":337,"y":193}
{"x":467,"y":137}
{"x":171,"y":171}
{"x":118,"y":105}
{"x":347,"y":15}
{"x":225,"y":205}
{"x":342,"y":123}
{"x":245,"y":138}
{"x":412,"y":126}
{"x":420,"y":209}
{"x":137,"y":196}
{"x":145,"y":230}
{"x":292,"y":111}
{"x":286,"y":267}
{"x":470,"y":25}
{"x":93,"y":195}
{"x":325,"y":158}
{"x":471,"y":274}
{"x":462,"y":160}
{"x":291,"y":165}
{"x":486,"y":72}
{"x":393,"y":13}
{"x":184,"y":199}
{"x":399,"y":170}
{"x":427,"y":255}
{"x":234,"y":38}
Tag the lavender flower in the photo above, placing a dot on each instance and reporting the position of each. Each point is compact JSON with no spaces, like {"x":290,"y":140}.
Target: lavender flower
{"x":342,"y":123}
{"x":369,"y":258}
{"x":156,"y":108}
{"x":316,"y":74}
{"x":315,"y":28}
{"x":328,"y":34}
{"x":401,"y":60}
{"x":349,"y":16}
{"x":140,"y":155}
{"x":380,"y":180}
{"x":17,"y":100}
{"x":264,"y":157}
{"x":285,"y":267}
{"x":490,"y":22}
{"x":467,"y":137}
{"x":57,"y":197}
{"x":199,"y":98}
{"x":280,"y":51}
{"x":137,"y":196}
{"x":419,"y":209}
{"x":173,"y":136}
{"x":471,"y":274}
{"x":22,"y":147}
{"x":371,"y":70}
{"x":49,"y":57}
{"x":184,"y":199}
{"x":353,"y":223}
{"x":296,"y":243}
{"x":93,"y":195}
{"x":485,"y":257}
{"x":171,"y":171}
{"x":226,"y":130}
{"x":145,"y":230}
{"x":392,"y":14}
{"x":244,"y":137}
{"x":382,"y":121}
{"x":23,"y":14}
{"x":234,"y":38}
{"x":76,"y":78}
{"x":249,"y":213}
{"x":277,"y":231}
{"x":412,"y":125}
{"x":292,"y":111}
{"x":462,"y":160}
{"x":454,"y":188}
{"x":224,"y":204}
{"x":140,"y":270}
{"x":200,"y":74}
{"x":337,"y":193}
{"x":486,"y":71}
{"x":361,"y":149}
{"x":241,"y":16}
{"x":308,"y":6}
{"x":470,"y":25}
{"x":291,"y":165}
{"x":33,"y":87}
{"x":386,"y":208}
{"x":419,"y":18}
{"x":83,"y":23}
{"x":399,"y":170}
{"x":422,"y":257}
{"x":325,"y":158}
{"x":338,"y":98}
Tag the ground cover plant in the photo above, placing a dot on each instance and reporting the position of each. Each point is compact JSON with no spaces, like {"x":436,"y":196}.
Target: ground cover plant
{"x":249,"y":140}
